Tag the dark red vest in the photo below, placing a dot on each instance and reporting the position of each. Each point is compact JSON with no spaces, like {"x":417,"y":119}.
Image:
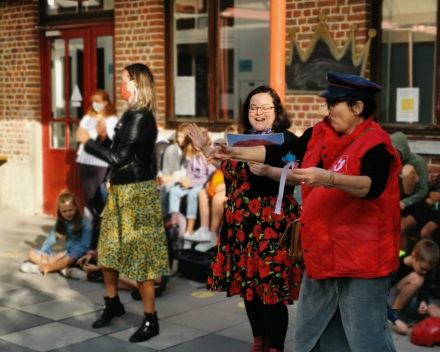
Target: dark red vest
{"x":343,"y":235}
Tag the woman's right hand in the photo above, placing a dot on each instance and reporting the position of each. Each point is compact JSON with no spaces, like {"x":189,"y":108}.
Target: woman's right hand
{"x":220,"y":153}
{"x":101,"y":128}
{"x":84,"y":260}
{"x":199,"y":138}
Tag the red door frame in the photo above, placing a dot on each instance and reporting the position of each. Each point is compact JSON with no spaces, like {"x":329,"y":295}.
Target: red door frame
{"x":59,"y":165}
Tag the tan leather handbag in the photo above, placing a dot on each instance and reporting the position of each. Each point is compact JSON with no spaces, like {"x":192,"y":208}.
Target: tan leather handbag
{"x":292,"y":240}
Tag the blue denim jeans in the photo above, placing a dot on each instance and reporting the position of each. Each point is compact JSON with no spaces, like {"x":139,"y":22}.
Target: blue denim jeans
{"x":343,"y":315}
{"x":192,"y":201}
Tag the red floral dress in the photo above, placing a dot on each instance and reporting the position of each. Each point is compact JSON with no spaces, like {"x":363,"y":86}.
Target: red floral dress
{"x":249,"y":259}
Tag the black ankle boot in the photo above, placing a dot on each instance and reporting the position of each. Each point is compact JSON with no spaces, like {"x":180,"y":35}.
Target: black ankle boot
{"x":148,"y":329}
{"x":112,"y":308}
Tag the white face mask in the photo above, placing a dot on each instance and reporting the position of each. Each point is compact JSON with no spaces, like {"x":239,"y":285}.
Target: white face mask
{"x":97,"y":106}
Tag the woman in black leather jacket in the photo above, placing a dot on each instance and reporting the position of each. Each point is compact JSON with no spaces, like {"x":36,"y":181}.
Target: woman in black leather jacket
{"x":132,"y":240}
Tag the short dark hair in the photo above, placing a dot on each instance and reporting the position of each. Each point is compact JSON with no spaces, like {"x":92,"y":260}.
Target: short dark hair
{"x":281,"y":121}
{"x":369,"y":105}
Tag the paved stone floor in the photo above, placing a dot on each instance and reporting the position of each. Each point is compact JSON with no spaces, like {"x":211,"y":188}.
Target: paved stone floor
{"x":55,"y":314}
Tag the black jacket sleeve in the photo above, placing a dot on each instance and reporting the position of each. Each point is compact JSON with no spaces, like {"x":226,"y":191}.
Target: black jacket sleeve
{"x":297,"y":147}
{"x":133,"y":124}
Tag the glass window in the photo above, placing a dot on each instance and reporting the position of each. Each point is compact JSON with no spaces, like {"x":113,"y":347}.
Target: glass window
{"x":76,"y":73}
{"x":60,"y":7}
{"x":408,"y":61}
{"x":191,"y":58}
{"x":57,"y":79}
{"x":243,"y":52}
{"x":104,"y":68}
{"x":57,"y":135}
{"x":73,"y":127}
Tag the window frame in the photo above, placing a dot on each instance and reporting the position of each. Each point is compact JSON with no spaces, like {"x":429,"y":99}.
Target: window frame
{"x":213,"y":121}
{"x":416,"y":129}
{"x":45,"y":20}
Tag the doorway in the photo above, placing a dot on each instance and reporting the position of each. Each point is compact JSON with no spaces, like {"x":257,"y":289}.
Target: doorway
{"x":75,"y":63}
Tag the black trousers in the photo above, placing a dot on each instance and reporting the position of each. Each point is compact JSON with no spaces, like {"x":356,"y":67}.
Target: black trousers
{"x":91,"y":179}
{"x":268,"y":320}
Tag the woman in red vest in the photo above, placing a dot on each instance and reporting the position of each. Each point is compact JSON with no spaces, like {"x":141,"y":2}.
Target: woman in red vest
{"x":350,"y":224}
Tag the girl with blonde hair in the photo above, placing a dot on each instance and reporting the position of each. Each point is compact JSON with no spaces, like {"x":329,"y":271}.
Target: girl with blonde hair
{"x":72,"y":226}
{"x":197,"y":175}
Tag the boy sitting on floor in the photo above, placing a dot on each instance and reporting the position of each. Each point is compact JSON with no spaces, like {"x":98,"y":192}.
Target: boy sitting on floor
{"x":411,"y":285}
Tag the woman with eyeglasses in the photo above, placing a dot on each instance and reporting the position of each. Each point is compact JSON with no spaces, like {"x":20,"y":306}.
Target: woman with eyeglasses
{"x":249,"y":260}
{"x":350,"y":221}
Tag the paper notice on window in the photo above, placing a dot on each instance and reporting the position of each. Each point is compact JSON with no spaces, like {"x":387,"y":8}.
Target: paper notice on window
{"x":407,"y":109}
{"x":185,"y":96}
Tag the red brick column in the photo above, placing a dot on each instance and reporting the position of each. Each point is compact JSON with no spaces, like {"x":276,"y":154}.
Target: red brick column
{"x":19,"y":77}
{"x":140,"y":38}
{"x":302,"y":15}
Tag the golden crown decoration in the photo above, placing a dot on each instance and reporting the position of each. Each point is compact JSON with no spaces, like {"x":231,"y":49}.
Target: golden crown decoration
{"x":306,"y":71}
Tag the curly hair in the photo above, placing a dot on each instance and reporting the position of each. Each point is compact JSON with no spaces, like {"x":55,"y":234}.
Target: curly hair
{"x":281,"y":121}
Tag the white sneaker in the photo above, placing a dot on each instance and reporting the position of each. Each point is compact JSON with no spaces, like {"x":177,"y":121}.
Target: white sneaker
{"x":187,"y":244}
{"x":204,"y":247}
{"x":74,"y":273}
{"x":201,"y":235}
{"x":30,"y":268}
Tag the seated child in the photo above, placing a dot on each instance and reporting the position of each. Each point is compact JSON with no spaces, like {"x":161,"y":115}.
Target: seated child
{"x":173,"y":166}
{"x":411,"y":285}
{"x":212,"y":200}
{"x":197,"y":175}
{"x":74,"y":227}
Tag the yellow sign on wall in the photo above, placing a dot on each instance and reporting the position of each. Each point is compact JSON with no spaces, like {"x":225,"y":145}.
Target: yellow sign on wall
{"x":407,"y":104}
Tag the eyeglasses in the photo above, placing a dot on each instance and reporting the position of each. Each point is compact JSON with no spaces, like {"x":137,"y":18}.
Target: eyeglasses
{"x":332,"y":102}
{"x":265,"y":108}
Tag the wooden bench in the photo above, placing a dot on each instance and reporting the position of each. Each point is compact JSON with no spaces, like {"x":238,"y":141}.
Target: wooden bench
{"x":3,"y":159}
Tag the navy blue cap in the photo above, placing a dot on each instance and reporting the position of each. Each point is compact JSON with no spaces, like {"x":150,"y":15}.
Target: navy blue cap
{"x":341,"y":85}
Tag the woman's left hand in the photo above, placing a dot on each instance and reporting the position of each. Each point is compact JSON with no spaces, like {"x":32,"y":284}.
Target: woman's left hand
{"x":199,"y":138}
{"x":312,"y":176}
{"x":260,"y":169}
{"x":82,"y":136}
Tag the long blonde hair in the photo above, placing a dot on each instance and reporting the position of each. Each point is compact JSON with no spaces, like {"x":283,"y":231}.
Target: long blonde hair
{"x":60,"y":226}
{"x":145,"y":86}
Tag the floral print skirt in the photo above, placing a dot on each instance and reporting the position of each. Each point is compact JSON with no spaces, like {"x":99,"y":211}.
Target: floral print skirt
{"x":132,"y":239}
{"x":249,"y":260}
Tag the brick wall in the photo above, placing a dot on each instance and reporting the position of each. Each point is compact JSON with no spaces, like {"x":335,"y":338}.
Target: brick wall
{"x":19,"y":77}
{"x":433,"y":167}
{"x":302,"y":15}
{"x":139,"y":37}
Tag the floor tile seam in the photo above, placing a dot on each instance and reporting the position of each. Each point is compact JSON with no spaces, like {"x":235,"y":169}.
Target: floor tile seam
{"x":32,"y":327}
{"x":181,"y":343}
{"x":53,"y":298}
{"x":229,"y":327}
{"x":185,"y":326}
{"x":92,"y":338}
{"x":17,"y":345}
{"x":22,"y":311}
{"x":22,"y":286}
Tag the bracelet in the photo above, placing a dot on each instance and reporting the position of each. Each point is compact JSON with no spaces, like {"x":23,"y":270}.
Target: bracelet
{"x":331,"y":180}
{"x":43,"y":262}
